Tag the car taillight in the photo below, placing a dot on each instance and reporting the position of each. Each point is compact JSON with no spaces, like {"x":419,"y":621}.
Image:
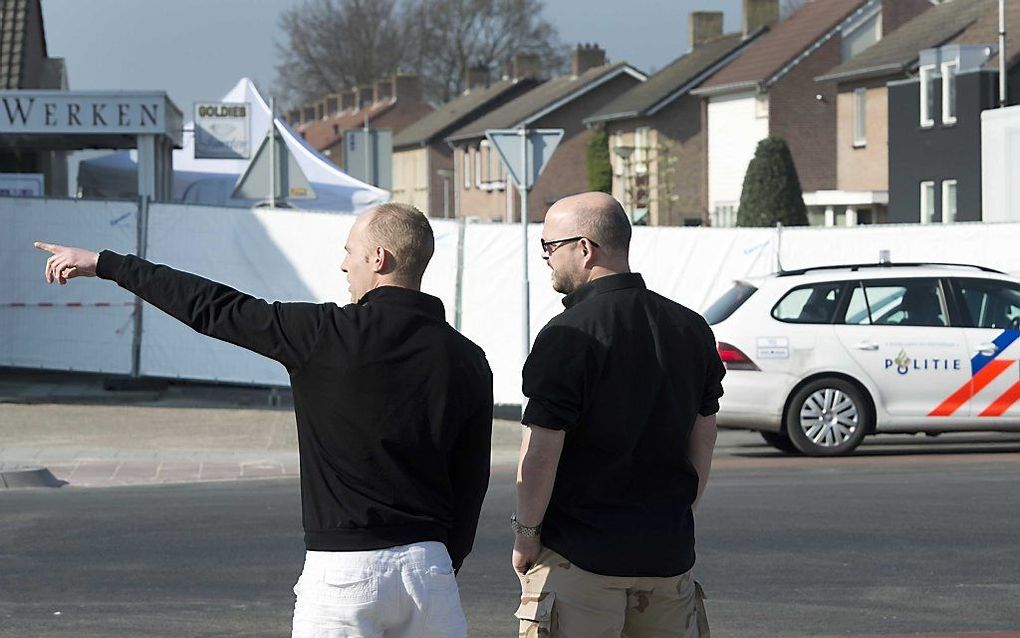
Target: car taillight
{"x":734,"y":359}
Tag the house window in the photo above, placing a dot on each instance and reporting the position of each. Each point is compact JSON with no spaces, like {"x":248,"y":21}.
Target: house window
{"x":641,"y":150}
{"x":861,"y":36}
{"x":949,"y":92}
{"x":486,"y":162}
{"x":928,"y":96}
{"x":949,"y":201}
{"x":761,"y":105}
{"x":615,"y":141}
{"x":860,"y":117}
{"x":478,"y":166}
{"x":466,"y":168}
{"x":927,"y":202}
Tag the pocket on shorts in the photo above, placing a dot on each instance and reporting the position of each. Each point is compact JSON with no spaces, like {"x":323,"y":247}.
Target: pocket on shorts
{"x":537,"y":615}
{"x":699,"y":601}
{"x":348,"y":588}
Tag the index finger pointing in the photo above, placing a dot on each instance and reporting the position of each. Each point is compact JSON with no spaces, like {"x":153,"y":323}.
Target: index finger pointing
{"x":50,"y":248}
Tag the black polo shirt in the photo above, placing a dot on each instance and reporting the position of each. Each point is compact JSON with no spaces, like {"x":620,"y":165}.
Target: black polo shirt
{"x":394,"y":406}
{"x":624,"y":371}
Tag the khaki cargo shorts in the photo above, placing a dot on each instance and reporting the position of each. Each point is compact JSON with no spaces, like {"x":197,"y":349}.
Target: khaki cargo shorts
{"x":560,"y":600}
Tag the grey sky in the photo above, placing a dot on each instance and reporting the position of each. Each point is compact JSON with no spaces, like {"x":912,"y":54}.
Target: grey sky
{"x":197,"y":49}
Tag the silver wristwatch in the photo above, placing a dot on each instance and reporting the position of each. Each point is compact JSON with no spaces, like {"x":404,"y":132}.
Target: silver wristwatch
{"x":524,"y":530}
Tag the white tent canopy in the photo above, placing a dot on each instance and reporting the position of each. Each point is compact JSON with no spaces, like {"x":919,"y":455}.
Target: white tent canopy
{"x":211,"y":181}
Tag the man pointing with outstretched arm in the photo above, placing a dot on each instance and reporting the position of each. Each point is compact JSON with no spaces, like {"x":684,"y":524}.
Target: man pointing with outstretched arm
{"x":394,"y":417}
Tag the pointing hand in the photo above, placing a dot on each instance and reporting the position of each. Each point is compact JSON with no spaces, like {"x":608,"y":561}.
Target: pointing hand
{"x":66,"y":263}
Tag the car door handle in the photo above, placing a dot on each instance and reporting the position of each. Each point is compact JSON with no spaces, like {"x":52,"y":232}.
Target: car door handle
{"x":987,"y":349}
{"x":867,"y":345}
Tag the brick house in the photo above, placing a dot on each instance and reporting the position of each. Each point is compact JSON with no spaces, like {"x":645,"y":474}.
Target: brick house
{"x":560,"y":102}
{"x":394,"y":104}
{"x":423,"y":161}
{"x":25,"y":64}
{"x":921,"y":157}
{"x":657,"y":134}
{"x":770,"y":90}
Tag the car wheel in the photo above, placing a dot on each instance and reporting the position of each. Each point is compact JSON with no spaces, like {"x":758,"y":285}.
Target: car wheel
{"x":780,"y":441}
{"x":827,"y":417}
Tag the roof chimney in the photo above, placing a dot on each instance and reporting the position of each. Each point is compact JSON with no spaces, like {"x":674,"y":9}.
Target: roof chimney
{"x":704,"y":26}
{"x":349,"y":100}
{"x":365,"y":95}
{"x":586,"y":56}
{"x":407,"y":87}
{"x":525,"y":65}
{"x":383,"y":90}
{"x":758,"y":14}
{"x":476,"y":77}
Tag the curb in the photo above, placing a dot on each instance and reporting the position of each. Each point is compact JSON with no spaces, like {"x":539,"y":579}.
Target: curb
{"x":18,"y":476}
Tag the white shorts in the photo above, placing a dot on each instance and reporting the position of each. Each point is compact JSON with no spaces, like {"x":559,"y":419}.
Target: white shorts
{"x":400,"y":592}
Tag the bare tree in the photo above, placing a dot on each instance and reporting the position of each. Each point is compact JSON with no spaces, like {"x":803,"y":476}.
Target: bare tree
{"x":331,"y":45}
{"x":452,"y":35}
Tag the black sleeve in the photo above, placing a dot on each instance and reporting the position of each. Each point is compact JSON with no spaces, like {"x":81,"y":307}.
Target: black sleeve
{"x":470,"y":477}
{"x":558,"y":375}
{"x":286,"y":332}
{"x":715,"y":371}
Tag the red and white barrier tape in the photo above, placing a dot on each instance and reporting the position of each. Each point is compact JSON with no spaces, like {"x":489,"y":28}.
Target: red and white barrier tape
{"x":70,"y":304}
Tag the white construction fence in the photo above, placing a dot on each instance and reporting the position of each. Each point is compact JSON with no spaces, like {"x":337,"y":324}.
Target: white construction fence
{"x":91,"y":325}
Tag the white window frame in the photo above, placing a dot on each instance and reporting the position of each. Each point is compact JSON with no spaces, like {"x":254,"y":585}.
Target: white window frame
{"x":641,"y":150}
{"x":949,"y":215}
{"x":478,"y":167}
{"x":860,"y":117}
{"x":927,"y":202}
{"x":927,"y":74}
{"x":466,"y":167}
{"x":485,"y":151}
{"x":946,"y":102}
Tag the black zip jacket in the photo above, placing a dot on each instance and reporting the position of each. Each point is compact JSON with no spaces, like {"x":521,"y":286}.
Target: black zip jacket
{"x":394,"y":406}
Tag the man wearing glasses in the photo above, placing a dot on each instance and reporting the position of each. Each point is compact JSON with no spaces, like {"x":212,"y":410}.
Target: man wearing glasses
{"x":623,"y":387}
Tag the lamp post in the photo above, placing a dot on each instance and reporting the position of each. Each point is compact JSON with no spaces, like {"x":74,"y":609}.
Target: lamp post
{"x":624,"y":153}
{"x":446,"y":174}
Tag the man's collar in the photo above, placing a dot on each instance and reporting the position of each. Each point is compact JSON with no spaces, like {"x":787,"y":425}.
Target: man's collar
{"x":608,"y":283}
{"x":407,"y":298}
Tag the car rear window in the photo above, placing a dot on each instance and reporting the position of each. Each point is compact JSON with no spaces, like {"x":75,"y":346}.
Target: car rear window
{"x":727,"y":304}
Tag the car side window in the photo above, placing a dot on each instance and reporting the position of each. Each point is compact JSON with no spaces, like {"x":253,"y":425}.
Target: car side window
{"x":990,"y":303}
{"x":814,"y":303}
{"x":906,"y":302}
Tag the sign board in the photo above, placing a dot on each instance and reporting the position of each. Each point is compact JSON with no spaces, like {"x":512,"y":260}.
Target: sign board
{"x":509,"y":143}
{"x":90,"y":113}
{"x":22,"y":184}
{"x":222,"y":130}
{"x":257,"y":181}
{"x":369,"y":159}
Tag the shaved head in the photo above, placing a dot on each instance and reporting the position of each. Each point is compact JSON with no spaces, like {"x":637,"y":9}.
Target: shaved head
{"x":597,"y":216}
{"x":404,"y":231}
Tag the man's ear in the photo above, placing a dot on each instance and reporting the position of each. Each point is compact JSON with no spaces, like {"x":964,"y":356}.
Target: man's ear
{"x":379,"y":258}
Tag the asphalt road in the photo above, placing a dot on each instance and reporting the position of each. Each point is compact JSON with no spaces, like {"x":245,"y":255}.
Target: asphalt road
{"x":904,"y":538}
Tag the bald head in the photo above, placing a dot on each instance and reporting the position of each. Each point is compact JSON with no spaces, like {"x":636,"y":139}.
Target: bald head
{"x":597,"y":216}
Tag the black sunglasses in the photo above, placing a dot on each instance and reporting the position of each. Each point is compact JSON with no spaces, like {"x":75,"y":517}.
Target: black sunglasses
{"x":549,"y":247}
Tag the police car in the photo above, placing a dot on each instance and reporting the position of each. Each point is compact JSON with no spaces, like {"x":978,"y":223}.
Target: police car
{"x":819,"y":358}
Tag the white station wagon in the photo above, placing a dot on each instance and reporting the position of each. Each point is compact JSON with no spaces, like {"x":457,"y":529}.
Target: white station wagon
{"x":819,"y":358}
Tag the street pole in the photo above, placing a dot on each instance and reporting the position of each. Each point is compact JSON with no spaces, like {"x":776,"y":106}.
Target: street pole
{"x":272,"y":152}
{"x":1002,"y":53}
{"x":526,"y":288}
{"x":368,"y":151}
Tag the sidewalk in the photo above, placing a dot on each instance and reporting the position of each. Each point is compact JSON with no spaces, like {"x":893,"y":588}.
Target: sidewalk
{"x":91,"y":437}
